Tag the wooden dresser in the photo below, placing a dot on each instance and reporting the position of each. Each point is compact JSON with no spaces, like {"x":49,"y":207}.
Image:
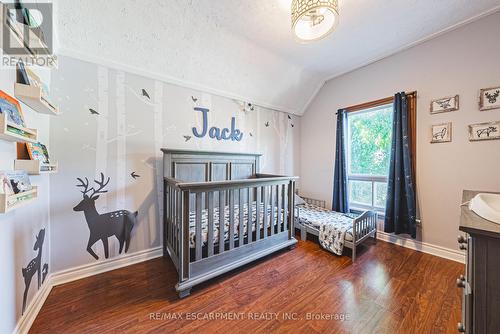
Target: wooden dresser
{"x":481,"y":280}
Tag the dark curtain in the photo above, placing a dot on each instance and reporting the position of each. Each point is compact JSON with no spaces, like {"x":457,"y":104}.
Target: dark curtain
{"x":400,"y":212}
{"x":340,"y":203}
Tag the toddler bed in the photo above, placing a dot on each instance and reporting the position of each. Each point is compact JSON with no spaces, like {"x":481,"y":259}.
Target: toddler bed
{"x":335,"y":230}
{"x":205,"y":232}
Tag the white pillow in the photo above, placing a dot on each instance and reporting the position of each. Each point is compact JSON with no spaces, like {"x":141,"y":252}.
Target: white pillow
{"x":299,"y":200}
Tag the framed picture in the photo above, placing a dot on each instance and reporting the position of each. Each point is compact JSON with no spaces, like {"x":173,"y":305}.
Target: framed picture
{"x":445,"y":104}
{"x":11,"y":107}
{"x":484,"y":131}
{"x":441,"y":133}
{"x":489,"y":98}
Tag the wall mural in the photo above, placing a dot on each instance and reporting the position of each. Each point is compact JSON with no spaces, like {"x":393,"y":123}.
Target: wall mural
{"x":232,"y":134}
{"x":34,"y":267}
{"x":102,"y":226}
{"x":124,"y":135}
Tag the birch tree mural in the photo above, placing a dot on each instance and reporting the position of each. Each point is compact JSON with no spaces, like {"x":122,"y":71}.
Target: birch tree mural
{"x":121,"y":142}
{"x":158,"y":135}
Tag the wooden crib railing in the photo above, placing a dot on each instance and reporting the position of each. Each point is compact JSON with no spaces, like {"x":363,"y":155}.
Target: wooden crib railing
{"x":185,"y":202}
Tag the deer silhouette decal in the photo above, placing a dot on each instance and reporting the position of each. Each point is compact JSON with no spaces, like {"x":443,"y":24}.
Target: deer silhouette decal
{"x":102,"y":226}
{"x":33,"y":267}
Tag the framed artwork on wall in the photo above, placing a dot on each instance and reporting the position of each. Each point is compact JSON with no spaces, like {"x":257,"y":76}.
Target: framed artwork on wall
{"x":484,"y":131}
{"x":489,"y":98}
{"x":445,"y":104}
{"x":441,"y":133}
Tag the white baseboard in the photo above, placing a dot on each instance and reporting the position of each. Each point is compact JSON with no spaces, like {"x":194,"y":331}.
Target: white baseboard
{"x":91,"y":269}
{"x":424,"y":247}
{"x":29,"y":316}
{"x":76,"y":273}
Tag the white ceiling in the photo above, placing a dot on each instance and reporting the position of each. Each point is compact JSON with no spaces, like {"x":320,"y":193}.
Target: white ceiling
{"x":244,"y":49}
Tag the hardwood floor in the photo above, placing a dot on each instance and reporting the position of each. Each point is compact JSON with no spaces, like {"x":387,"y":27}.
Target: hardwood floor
{"x":390,"y":289}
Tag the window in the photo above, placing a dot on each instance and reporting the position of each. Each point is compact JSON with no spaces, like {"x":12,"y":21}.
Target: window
{"x":369,"y":134}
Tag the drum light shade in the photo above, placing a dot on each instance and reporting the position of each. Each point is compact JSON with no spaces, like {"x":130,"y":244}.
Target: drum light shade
{"x":314,"y":19}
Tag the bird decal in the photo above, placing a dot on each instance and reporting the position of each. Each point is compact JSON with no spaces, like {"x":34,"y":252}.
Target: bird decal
{"x":251,"y":135}
{"x":292,"y":125}
{"x":93,"y":112}
{"x":145,"y":93}
{"x":187,"y":138}
{"x":134,"y":175}
{"x":289,"y":117}
{"x":267,"y":124}
{"x":194,"y":99}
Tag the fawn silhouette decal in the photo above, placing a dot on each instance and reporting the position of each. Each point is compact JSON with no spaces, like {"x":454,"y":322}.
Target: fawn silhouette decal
{"x":102,"y":226}
{"x":34,"y":267}
{"x":45,"y":272}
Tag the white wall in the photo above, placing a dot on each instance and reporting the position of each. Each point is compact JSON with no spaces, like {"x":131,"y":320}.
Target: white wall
{"x":127,"y":136}
{"x":19,"y":228}
{"x":460,"y":62}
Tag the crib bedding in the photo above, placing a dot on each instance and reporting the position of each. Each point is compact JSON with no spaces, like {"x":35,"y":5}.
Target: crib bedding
{"x":204,"y":222}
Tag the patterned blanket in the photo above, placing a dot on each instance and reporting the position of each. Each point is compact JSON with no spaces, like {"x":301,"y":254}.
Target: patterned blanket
{"x":204,"y":222}
{"x":333,"y":226}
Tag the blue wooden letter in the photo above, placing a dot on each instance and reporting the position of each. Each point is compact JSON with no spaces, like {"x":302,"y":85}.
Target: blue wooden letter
{"x":205,"y":123}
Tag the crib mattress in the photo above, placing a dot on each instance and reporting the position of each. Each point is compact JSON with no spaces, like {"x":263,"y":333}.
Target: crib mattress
{"x":204,"y":222}
{"x":315,"y":216}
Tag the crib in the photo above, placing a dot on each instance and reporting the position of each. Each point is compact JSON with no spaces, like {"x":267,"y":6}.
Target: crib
{"x":220,"y":213}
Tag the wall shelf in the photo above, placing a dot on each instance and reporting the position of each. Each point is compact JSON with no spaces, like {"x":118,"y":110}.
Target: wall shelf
{"x":15,"y":133}
{"x":12,"y":202}
{"x":35,"y":167}
{"x":32,"y":97}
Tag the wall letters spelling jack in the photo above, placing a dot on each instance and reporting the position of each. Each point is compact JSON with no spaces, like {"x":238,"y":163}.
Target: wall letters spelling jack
{"x":214,"y":132}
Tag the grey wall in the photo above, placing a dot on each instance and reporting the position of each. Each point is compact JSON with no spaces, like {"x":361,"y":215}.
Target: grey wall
{"x":127,"y":136}
{"x":19,"y":228}
{"x":460,"y":62}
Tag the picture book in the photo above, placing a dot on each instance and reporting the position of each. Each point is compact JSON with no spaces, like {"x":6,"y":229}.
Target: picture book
{"x":5,"y":186}
{"x":22,"y":76}
{"x":38,"y":151}
{"x":19,"y":181}
{"x":11,"y":107}
{"x":37,"y":82}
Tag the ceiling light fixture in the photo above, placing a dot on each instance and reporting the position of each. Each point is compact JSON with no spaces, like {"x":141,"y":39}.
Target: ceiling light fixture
{"x":314,"y":19}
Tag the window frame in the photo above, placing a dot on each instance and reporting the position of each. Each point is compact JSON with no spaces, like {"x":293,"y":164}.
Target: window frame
{"x":412,"y":123}
{"x":356,"y":206}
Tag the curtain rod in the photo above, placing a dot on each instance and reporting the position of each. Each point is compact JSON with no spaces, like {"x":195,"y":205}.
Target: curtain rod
{"x":375,"y":103}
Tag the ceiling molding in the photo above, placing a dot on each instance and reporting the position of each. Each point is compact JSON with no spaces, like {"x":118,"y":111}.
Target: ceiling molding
{"x":418,"y":42}
{"x":178,"y":82}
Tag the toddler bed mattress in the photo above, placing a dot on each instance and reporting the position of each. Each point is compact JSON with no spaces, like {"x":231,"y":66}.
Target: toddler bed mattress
{"x":316,"y":216}
{"x":204,"y":222}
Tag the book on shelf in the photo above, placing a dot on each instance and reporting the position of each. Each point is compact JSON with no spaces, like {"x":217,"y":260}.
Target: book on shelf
{"x":38,"y":151}
{"x":11,"y":107}
{"x":19,"y":180}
